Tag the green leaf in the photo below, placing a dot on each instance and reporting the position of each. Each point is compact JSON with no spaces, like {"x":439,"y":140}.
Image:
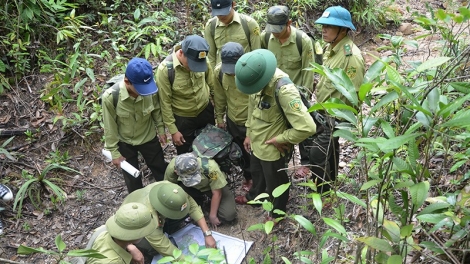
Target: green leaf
{"x":433,"y":218}
{"x":281,"y":189}
{"x":395,"y":259}
{"x":386,"y":99}
{"x":351,"y":198}
{"x":90,"y":74}
{"x":433,"y":99}
{"x":432,"y":63}
{"x":343,"y":84}
{"x":419,"y":193}
{"x":369,"y":184}
{"x":368,"y":123}
{"x":460,"y":119}
{"x":317,"y":202}
{"x":432,"y":247}
{"x":59,"y":243}
{"x":373,"y":72}
{"x":346,"y":134}
{"x":137,"y":14}
{"x":334,"y":224}
{"x":88,"y":253}
{"x":24,"y":250}
{"x":393,"y":230}
{"x":331,"y":105}
{"x":387,"y":129}
{"x":254,"y":227}
{"x":396,"y":142}
{"x":401,"y":165}
{"x":305,"y":223}
{"x":434,"y":207}
{"x":268,"y":227}
{"x":3,"y":67}
{"x":405,"y":231}
{"x":463,"y":87}
{"x":393,"y":75}
{"x":413,"y":154}
{"x":376,"y":243}
{"x":364,"y":90}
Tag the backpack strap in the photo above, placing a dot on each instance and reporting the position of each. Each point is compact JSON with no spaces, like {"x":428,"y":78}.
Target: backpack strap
{"x":205,"y":166}
{"x":171,"y":69}
{"x":266,"y":39}
{"x":245,"y":27}
{"x":115,"y":94}
{"x":221,"y":76}
{"x":298,"y":40}
{"x":281,"y":82}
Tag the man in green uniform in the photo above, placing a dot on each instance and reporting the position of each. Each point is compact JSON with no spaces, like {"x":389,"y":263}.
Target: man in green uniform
{"x":116,"y":239}
{"x":228,"y":25}
{"x":342,"y":53}
{"x":167,"y":200}
{"x":131,"y":125}
{"x":232,"y":103}
{"x":185,"y":100}
{"x":292,"y":57}
{"x":200,"y":177}
{"x":268,"y":135}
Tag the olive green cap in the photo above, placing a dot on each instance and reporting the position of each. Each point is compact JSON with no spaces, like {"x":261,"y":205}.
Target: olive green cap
{"x":170,"y":200}
{"x":131,"y":221}
{"x":254,"y":70}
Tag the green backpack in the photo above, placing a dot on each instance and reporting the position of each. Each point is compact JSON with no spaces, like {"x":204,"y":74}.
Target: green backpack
{"x":217,"y":144}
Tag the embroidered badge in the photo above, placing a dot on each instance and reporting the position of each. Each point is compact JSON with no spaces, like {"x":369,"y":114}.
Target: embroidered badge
{"x":202,"y":55}
{"x":213,"y":175}
{"x":326,"y":14}
{"x":184,"y":206}
{"x":351,"y":72}
{"x":296,"y":105}
{"x":256,"y":31}
{"x":347,"y":50}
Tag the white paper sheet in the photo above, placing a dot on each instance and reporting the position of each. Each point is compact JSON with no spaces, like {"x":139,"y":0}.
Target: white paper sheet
{"x":235,"y":249}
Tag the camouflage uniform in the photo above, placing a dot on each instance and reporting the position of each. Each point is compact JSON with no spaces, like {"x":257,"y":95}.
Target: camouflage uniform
{"x":188,"y":172}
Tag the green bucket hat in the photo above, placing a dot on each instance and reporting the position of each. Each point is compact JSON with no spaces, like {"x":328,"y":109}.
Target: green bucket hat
{"x":131,"y":221}
{"x":254,"y":70}
{"x":169,"y":200}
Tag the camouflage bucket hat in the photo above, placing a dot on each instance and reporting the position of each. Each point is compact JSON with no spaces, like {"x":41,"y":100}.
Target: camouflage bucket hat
{"x":132,"y":221}
{"x":188,"y":170}
{"x":170,"y":200}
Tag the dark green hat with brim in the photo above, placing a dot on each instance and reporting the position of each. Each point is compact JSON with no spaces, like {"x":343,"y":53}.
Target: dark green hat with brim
{"x":254,"y":70}
{"x":170,"y":200}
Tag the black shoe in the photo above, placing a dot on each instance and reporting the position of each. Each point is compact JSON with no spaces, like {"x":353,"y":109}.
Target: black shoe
{"x":5,"y":193}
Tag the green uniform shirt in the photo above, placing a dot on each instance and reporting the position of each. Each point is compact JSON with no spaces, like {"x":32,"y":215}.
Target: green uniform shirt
{"x":115,"y":254}
{"x":288,"y":58}
{"x":214,"y":181}
{"x":348,"y":59}
{"x":263,"y":125}
{"x":189,"y":95}
{"x":157,"y":239}
{"x":133,"y":121}
{"x":228,"y":99}
{"x":232,"y":32}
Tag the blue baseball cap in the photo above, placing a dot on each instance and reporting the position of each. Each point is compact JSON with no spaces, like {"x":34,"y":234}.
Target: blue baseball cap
{"x":140,"y":73}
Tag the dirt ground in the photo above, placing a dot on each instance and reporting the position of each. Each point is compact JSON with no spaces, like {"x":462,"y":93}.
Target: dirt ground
{"x":95,"y":193}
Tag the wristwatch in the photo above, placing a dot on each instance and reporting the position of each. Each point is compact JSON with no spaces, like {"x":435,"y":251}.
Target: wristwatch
{"x":207,"y":233}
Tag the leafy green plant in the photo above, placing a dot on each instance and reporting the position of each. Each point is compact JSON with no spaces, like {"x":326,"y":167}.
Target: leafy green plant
{"x":197,"y":255}
{"x":61,"y":254}
{"x":5,"y":152}
{"x":26,"y":226}
{"x":58,"y":157}
{"x":34,"y":187}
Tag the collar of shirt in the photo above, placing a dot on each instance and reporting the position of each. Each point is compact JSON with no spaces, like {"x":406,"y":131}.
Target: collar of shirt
{"x":338,"y":47}
{"x":236,"y":18}
{"x":126,"y":256}
{"x":176,"y":62}
{"x":125,"y":94}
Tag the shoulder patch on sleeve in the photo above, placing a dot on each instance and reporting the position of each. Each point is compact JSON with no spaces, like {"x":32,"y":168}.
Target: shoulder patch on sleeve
{"x":256,"y":31}
{"x":295,"y":105}
{"x":213,"y":175}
